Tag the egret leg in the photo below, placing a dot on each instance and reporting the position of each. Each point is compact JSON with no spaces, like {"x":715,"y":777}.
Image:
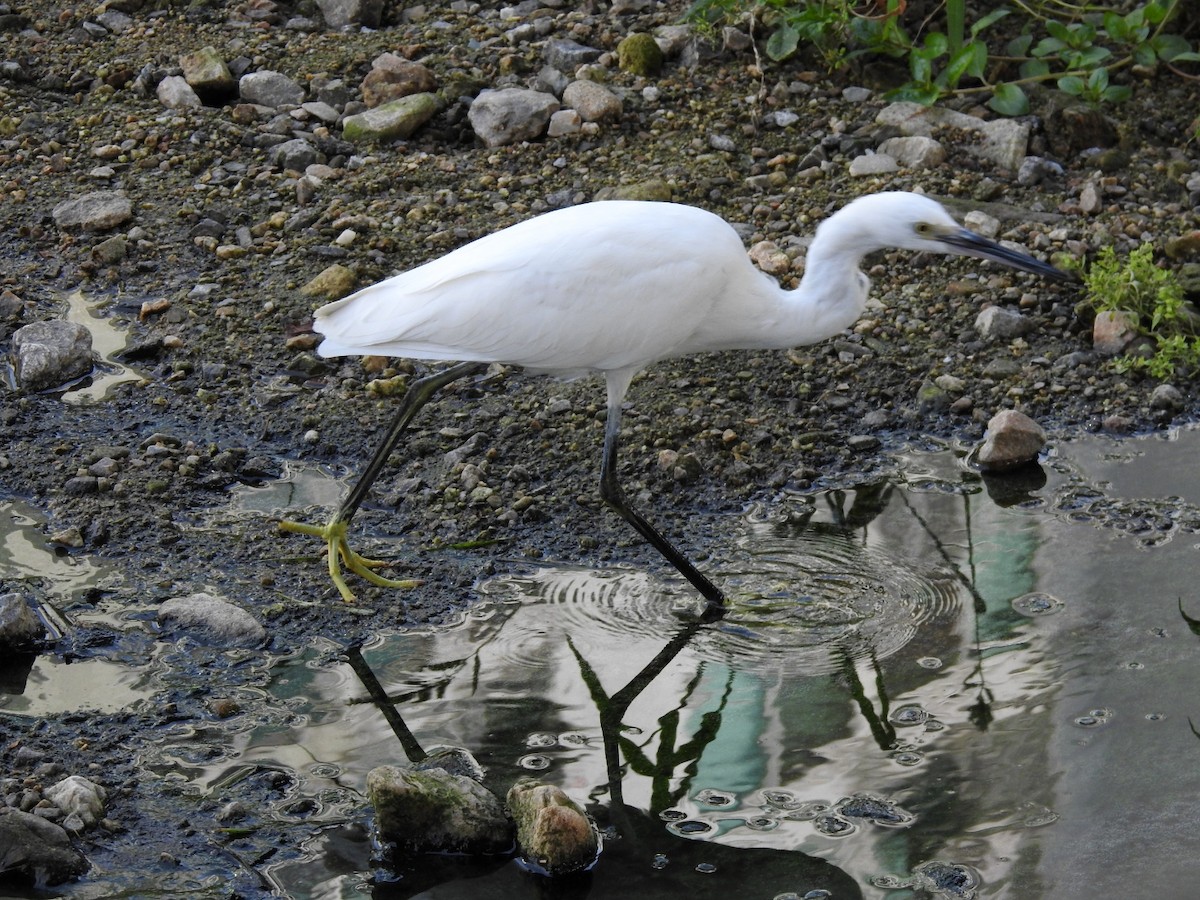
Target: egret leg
{"x":611,"y":493}
{"x":334,"y":532}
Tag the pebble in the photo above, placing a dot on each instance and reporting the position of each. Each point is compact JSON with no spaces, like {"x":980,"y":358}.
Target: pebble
{"x":872,"y":164}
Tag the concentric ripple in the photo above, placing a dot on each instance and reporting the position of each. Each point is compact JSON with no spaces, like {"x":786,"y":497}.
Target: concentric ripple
{"x":805,"y":600}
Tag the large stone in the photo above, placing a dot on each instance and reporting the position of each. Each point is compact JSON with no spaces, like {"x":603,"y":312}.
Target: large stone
{"x":80,"y":798}
{"x":174,"y":92}
{"x":51,"y":353}
{"x":340,"y":13}
{"x":96,"y":211}
{"x":434,"y":811}
{"x":267,"y":88}
{"x":1004,"y":142}
{"x":594,"y":102}
{"x":211,"y":621}
{"x":510,"y":116}
{"x":1013,"y":440}
{"x":553,"y":832}
{"x":205,"y":70}
{"x":1113,"y":331}
{"x":914,"y":151}
{"x":36,"y":850}
{"x":392,"y":121}
{"x":392,"y":77}
{"x":999,"y":324}
{"x":332,"y":283}
{"x":19,"y":626}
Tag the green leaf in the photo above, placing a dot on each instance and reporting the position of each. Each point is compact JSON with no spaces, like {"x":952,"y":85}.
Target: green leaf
{"x":1098,"y":80}
{"x":994,"y":16}
{"x":962,"y":62}
{"x":1009,"y":100}
{"x":925,"y":94}
{"x":1144,"y":55}
{"x":1090,"y":58}
{"x":1047,"y":46}
{"x":1116,"y":26}
{"x":1019,"y":46}
{"x":1155,"y":12}
{"x":1035,"y":68}
{"x":921,"y":68}
{"x":783,"y":42}
{"x":936,"y":44}
{"x":1059,"y":31}
{"x":1137,"y":18}
{"x":1170,"y":47}
{"x":1071,"y":84}
{"x":1117,"y":93}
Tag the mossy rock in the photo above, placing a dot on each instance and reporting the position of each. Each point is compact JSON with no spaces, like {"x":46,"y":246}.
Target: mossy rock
{"x":639,"y":54}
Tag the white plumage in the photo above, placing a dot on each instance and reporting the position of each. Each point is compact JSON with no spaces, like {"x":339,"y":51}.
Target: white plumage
{"x":611,"y":287}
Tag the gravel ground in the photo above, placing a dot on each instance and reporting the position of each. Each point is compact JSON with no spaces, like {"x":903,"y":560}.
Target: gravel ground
{"x":208,"y":269}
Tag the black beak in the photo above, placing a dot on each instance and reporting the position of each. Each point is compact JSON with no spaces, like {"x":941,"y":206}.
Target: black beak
{"x":968,"y":243}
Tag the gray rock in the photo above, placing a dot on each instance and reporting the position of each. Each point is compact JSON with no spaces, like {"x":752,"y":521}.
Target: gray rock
{"x":208,"y":75}
{"x":115,"y":21}
{"x":211,"y":621}
{"x":96,"y":211}
{"x":1036,"y":169}
{"x":340,"y":13}
{"x":1003,"y":141}
{"x":511,"y":116}
{"x":982,"y":223}
{"x":36,"y":850}
{"x":297,"y":155}
{"x":434,"y":811}
{"x":50,"y":353}
{"x":594,"y":102}
{"x":915,"y":151}
{"x":998,"y":324}
{"x":19,"y":625}
{"x":1167,"y":397}
{"x":553,"y":832}
{"x":1013,"y":440}
{"x":565,"y":121}
{"x":567,"y":55}
{"x":551,"y":81}
{"x":872,"y":164}
{"x":174,"y":92}
{"x":78,"y":796}
{"x":268,"y":88}
{"x":392,"y":121}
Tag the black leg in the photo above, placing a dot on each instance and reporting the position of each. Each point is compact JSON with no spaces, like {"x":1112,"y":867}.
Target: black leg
{"x":418,"y":394}
{"x":611,"y":493}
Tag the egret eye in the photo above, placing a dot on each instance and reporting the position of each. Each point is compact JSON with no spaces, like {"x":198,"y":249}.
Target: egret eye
{"x":924,"y":229}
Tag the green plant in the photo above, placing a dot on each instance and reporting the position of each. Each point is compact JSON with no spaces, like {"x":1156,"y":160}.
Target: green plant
{"x":1155,"y":297}
{"x":1078,"y":47}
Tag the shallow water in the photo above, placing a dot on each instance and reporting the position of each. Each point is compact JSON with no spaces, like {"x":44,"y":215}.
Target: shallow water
{"x":937,"y":685}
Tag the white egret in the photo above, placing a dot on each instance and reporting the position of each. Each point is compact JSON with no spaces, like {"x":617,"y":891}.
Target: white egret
{"x":611,"y":287}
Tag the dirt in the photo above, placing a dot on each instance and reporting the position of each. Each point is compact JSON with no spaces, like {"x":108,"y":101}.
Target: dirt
{"x":231,"y":391}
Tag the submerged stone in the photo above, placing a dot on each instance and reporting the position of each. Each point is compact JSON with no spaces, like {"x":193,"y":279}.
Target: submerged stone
{"x":553,"y":832}
{"x":434,"y":811}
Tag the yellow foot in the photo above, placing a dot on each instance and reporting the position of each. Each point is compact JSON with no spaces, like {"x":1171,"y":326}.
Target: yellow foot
{"x":334,"y":535}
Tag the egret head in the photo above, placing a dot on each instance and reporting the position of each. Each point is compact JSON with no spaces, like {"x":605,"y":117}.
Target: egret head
{"x":915,"y":222}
